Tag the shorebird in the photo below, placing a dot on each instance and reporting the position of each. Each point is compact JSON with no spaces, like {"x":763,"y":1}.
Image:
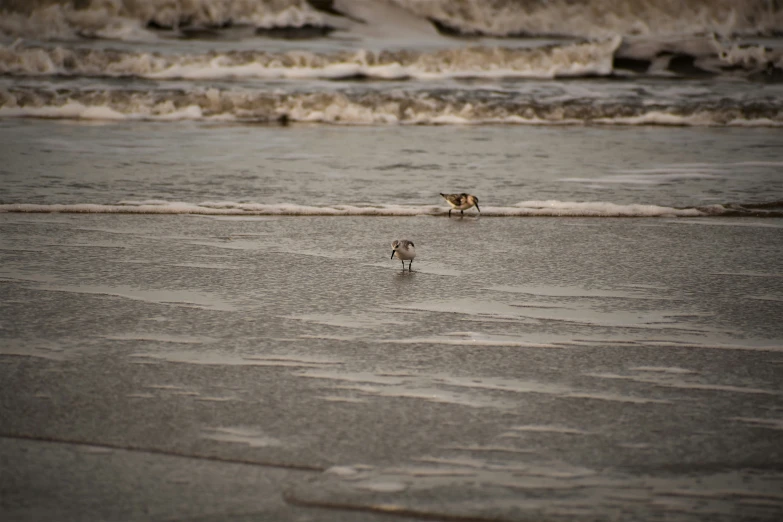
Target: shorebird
{"x":403,"y":249}
{"x":461,"y":202}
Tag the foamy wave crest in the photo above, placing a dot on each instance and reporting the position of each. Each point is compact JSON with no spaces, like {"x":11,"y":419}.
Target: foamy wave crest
{"x":597,"y":18}
{"x":522,"y":209}
{"x":62,"y":22}
{"x":132,"y":21}
{"x":589,"y":58}
{"x":364,"y":107}
{"x":698,"y":57}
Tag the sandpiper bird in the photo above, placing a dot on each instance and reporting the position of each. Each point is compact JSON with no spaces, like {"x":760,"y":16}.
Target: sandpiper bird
{"x":461,"y":202}
{"x":403,"y":249}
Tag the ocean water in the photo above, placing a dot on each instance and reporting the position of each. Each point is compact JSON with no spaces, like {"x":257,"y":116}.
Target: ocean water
{"x":200,"y":319}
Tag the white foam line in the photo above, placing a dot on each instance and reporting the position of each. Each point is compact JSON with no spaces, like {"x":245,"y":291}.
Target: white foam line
{"x":338,"y":398}
{"x":562,"y":210}
{"x":297,"y":359}
{"x":568,"y":292}
{"x":748,"y":274}
{"x":772,"y":424}
{"x":661,"y":369}
{"x":205,"y":266}
{"x":338,"y":71}
{"x":216,"y":359}
{"x":355,"y":115}
{"x":323,"y":337}
{"x":77,"y":111}
{"x":550,"y":429}
{"x":698,"y":119}
{"x":368,"y":378}
{"x":426,"y":394}
{"x":183,"y":339}
{"x":343,"y":321}
{"x":31,"y":352}
{"x":771,"y":298}
{"x":722,"y":494}
{"x":722,"y":166}
{"x":518,"y":470}
{"x":490,"y":449}
{"x":247,"y":436}
{"x":436,"y":472}
{"x":615,"y":398}
{"x":680,"y":344}
{"x":683,"y":385}
{"x":703,"y":222}
{"x":576,"y":59}
{"x":471,"y":342}
{"x":189,"y":299}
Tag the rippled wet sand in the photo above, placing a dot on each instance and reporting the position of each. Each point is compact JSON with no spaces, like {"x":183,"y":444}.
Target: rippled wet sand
{"x":526,"y":367}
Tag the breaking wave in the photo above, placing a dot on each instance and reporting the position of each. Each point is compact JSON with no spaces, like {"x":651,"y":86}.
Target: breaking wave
{"x":685,"y":57}
{"x":598,"y":18}
{"x":362,"y":107}
{"x":522,"y":209}
{"x":143,"y":19}
{"x":579,"y":59}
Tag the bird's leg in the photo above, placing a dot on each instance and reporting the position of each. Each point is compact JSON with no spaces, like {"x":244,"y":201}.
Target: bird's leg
{"x":449,"y":212}
{"x":410,"y":265}
{"x":403,"y":264}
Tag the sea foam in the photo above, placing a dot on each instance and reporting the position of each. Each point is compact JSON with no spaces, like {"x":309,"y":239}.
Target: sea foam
{"x":142,"y":19}
{"x":373,"y":107}
{"x":523,"y":209}
{"x":566,"y":60}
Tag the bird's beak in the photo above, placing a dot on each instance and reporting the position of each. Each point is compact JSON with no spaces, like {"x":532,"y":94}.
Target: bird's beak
{"x":477,"y":207}
{"x":392,"y":256}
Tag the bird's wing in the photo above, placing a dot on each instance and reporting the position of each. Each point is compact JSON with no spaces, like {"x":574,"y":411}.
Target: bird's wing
{"x":452,"y":198}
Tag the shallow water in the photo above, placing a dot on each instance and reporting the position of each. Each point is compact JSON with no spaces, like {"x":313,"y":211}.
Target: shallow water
{"x":516,"y":170}
{"x":553,"y":367}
